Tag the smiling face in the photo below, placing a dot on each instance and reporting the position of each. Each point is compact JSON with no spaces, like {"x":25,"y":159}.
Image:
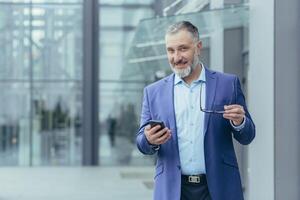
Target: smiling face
{"x":183,"y":52}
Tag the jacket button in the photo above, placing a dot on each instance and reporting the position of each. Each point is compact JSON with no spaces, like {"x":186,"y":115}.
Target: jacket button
{"x":179,"y":167}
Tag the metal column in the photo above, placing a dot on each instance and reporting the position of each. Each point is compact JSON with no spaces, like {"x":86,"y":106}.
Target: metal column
{"x":90,"y":128}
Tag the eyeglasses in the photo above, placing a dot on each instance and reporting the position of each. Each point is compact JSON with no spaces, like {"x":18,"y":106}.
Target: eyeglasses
{"x":206,"y":110}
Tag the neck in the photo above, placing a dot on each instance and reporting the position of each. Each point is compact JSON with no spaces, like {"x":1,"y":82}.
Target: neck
{"x":194,"y":75}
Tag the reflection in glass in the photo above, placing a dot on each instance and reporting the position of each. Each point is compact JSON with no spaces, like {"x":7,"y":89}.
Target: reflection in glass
{"x":57,"y":124}
{"x":120,"y":100}
{"x":40,"y":81}
{"x":147,"y":54}
{"x":15,"y":41}
{"x":14,"y":124}
{"x":119,"y":123}
{"x":56,"y":36}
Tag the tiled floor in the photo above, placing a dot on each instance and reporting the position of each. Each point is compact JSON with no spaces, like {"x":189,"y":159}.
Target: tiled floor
{"x":76,"y":183}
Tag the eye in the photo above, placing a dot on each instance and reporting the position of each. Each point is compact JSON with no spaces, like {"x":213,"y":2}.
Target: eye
{"x":183,"y":49}
{"x":171,"y":50}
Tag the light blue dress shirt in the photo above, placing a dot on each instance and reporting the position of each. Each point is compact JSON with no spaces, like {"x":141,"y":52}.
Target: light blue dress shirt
{"x":190,"y":123}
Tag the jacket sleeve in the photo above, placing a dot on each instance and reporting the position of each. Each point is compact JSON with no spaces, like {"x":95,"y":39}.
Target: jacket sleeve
{"x":141,"y":140}
{"x":247,"y":133}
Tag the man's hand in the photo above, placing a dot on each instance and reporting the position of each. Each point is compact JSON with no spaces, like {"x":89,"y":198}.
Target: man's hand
{"x":156,"y":137}
{"x":235,"y":113}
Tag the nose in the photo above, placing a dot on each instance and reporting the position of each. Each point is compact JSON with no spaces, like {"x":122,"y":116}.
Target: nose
{"x":177,"y":56}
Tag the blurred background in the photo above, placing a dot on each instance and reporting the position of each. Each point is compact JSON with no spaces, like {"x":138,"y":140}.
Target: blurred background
{"x":72,"y":74}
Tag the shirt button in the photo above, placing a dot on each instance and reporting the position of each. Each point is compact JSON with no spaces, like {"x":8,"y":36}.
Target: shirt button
{"x":192,"y":124}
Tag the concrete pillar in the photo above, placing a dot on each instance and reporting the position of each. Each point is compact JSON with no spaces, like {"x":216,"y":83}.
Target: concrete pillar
{"x":274,"y":97}
{"x":261,"y":100}
{"x":217,"y":41}
{"x":287,"y":98}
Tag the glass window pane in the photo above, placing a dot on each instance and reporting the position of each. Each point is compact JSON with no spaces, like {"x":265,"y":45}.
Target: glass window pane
{"x":57,"y":123}
{"x":147,"y":53}
{"x":40,"y":80}
{"x":119,"y":117}
{"x":14,"y":123}
{"x":120,"y":99}
{"x":57,"y":36}
{"x":14,"y":42}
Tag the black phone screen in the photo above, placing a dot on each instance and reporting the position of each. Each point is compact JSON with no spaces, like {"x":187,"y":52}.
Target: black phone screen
{"x":157,"y":122}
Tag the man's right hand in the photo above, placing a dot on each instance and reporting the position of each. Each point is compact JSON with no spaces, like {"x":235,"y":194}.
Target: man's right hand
{"x":156,"y":137}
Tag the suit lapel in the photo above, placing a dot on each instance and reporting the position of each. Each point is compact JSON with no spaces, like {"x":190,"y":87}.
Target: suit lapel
{"x":168,"y":102}
{"x":211,"y":84}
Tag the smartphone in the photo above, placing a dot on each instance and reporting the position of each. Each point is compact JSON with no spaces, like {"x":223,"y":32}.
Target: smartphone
{"x":157,"y":122}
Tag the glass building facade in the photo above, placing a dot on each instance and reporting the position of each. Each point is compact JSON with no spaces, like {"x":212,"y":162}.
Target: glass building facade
{"x":119,"y":98}
{"x":42,"y":66}
{"x":41,"y":60}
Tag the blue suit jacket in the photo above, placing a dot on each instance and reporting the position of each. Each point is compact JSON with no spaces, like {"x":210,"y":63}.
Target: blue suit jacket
{"x":222,"y":171}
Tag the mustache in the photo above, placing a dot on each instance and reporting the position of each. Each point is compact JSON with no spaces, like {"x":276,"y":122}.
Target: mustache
{"x":180,"y":62}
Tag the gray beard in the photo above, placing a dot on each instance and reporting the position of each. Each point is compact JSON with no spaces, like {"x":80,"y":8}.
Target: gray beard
{"x":182,"y":73}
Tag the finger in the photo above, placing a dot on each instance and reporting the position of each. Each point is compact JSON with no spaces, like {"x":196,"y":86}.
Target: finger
{"x":153,"y":136}
{"x":149,"y":137}
{"x":149,"y":132}
{"x":148,"y":127}
{"x":232,"y":110}
{"x":233,"y":107}
{"x":164,"y":138}
{"x":160,"y":133}
{"x":154,"y":129}
{"x":229,"y":107}
{"x":233,"y":116}
{"x":235,"y":111}
{"x":235,"y":120}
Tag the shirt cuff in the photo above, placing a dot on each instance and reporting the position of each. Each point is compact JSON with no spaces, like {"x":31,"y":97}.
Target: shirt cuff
{"x":155,"y":147}
{"x":239,"y":127}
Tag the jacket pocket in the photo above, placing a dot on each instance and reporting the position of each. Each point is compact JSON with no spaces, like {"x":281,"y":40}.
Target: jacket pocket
{"x":159,"y":170}
{"x":230,"y":160}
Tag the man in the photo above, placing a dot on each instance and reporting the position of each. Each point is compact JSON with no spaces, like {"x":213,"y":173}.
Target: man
{"x":201,"y":110}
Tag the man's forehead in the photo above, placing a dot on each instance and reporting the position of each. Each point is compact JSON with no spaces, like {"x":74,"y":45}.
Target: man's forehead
{"x":179,"y":38}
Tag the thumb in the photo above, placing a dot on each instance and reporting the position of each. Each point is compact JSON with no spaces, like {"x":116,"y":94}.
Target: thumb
{"x":148,"y":127}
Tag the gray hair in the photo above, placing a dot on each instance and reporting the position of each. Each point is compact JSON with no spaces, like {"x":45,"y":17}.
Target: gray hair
{"x":184,"y":25}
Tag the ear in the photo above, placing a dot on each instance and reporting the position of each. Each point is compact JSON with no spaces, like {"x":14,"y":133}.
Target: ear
{"x":199,"y":46}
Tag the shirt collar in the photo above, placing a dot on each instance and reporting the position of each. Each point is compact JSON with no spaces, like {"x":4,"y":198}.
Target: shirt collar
{"x":201,"y":78}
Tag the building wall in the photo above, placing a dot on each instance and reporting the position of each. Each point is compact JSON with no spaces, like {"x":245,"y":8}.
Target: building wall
{"x":261,"y":100}
{"x":274,"y":95}
{"x":287,"y":98}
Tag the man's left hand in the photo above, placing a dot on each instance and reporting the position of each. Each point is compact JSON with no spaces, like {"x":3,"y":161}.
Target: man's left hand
{"x":235,"y":113}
